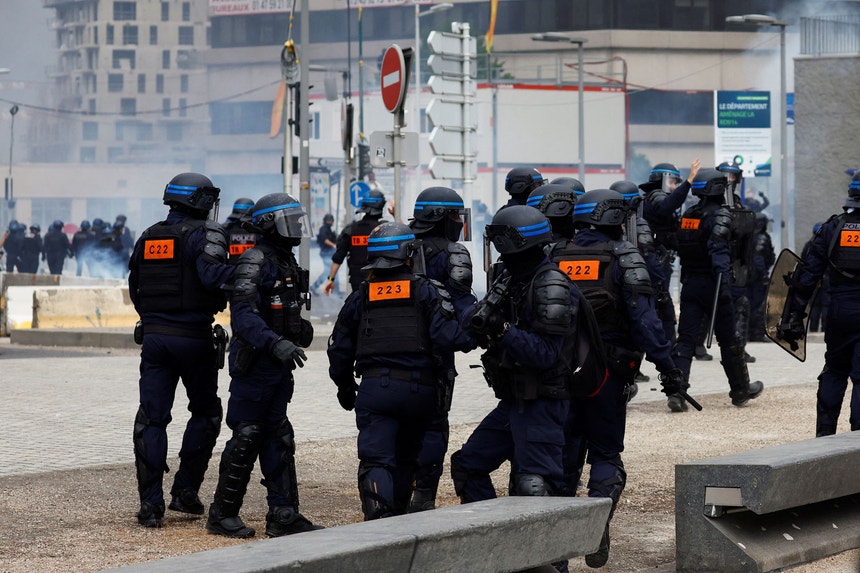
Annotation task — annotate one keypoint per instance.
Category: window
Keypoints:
(186, 11)
(115, 83)
(165, 59)
(165, 11)
(141, 83)
(115, 154)
(184, 59)
(96, 35)
(129, 35)
(183, 112)
(165, 107)
(183, 83)
(159, 83)
(90, 131)
(88, 155)
(128, 106)
(186, 35)
(658, 107)
(144, 132)
(125, 10)
(174, 132)
(238, 118)
(153, 35)
(123, 59)
(92, 107)
(109, 34)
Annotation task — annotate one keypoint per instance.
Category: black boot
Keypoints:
(228, 526)
(285, 520)
(423, 499)
(742, 390)
(601, 556)
(186, 501)
(150, 514)
(702, 353)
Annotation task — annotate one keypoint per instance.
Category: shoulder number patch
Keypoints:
(692, 224)
(849, 238)
(359, 240)
(158, 249)
(389, 290)
(581, 270)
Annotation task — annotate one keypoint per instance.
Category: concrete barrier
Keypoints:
(768, 509)
(504, 534)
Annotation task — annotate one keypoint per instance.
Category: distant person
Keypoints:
(126, 240)
(326, 238)
(521, 181)
(32, 249)
(352, 241)
(57, 248)
(14, 244)
(83, 242)
(239, 238)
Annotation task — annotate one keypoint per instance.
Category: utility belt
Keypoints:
(514, 383)
(421, 376)
(217, 335)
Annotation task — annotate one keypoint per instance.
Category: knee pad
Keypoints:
(458, 475)
(373, 505)
(285, 436)
(531, 485)
(610, 486)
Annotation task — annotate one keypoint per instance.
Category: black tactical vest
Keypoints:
(281, 304)
(168, 280)
(391, 320)
(693, 240)
(239, 240)
(590, 268)
(359, 233)
(844, 253)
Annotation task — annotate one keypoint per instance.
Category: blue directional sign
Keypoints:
(357, 191)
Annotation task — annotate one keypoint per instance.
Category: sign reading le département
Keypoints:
(742, 131)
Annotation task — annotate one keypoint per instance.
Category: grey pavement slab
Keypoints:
(64, 409)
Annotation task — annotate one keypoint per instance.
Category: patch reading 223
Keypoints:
(389, 290)
(158, 249)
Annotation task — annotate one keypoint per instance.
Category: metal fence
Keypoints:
(830, 35)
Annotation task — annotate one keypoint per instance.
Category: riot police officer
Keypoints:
(704, 247)
(832, 252)
(743, 228)
(32, 248)
(352, 241)
(612, 275)
(763, 257)
(177, 270)
(13, 244)
(269, 290)
(571, 183)
(440, 219)
(665, 193)
(392, 331)
(83, 242)
(57, 247)
(519, 182)
(239, 238)
(527, 322)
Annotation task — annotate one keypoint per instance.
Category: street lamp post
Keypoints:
(555, 37)
(416, 106)
(767, 21)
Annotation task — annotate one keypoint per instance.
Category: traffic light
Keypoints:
(297, 115)
(364, 166)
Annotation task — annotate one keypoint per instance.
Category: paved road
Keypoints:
(70, 408)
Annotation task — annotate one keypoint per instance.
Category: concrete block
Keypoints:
(505, 534)
(19, 314)
(83, 307)
(768, 509)
(87, 337)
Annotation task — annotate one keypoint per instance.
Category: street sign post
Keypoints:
(452, 110)
(382, 148)
(357, 191)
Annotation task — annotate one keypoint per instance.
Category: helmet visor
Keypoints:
(671, 180)
(461, 217)
(292, 224)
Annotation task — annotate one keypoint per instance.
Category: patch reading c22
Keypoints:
(158, 249)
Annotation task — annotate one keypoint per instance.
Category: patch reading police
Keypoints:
(158, 249)
(581, 270)
(691, 224)
(389, 290)
(359, 240)
(850, 235)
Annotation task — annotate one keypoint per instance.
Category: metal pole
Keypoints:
(288, 140)
(581, 94)
(360, 79)
(783, 140)
(416, 115)
(304, 127)
(467, 107)
(396, 143)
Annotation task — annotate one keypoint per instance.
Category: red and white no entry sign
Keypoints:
(393, 78)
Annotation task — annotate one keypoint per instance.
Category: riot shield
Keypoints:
(777, 293)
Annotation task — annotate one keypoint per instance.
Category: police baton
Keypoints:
(714, 311)
(691, 400)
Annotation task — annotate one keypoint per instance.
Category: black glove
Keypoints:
(289, 353)
(673, 382)
(792, 329)
(346, 395)
(492, 322)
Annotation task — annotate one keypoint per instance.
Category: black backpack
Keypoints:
(590, 365)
